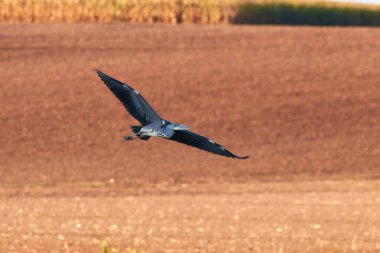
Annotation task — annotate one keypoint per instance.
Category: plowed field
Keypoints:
(303, 102)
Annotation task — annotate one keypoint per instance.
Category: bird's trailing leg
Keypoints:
(130, 137)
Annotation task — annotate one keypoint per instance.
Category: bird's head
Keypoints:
(180, 127)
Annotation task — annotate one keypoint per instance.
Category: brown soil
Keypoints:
(317, 217)
(303, 102)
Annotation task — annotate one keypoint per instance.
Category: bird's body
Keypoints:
(152, 125)
(165, 130)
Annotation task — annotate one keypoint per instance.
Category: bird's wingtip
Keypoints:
(101, 74)
(98, 71)
(242, 157)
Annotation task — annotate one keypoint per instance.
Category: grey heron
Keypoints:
(152, 125)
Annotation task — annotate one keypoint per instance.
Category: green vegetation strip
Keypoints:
(287, 12)
(307, 14)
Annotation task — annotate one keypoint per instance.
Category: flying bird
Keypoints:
(152, 125)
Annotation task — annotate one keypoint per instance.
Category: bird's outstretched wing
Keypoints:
(135, 104)
(198, 141)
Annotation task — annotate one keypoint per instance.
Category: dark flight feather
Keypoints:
(135, 104)
(198, 141)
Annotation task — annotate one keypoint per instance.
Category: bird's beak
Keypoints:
(181, 127)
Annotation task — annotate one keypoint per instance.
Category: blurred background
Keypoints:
(302, 101)
(293, 84)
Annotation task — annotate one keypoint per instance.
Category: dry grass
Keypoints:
(142, 11)
(150, 11)
(107, 247)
